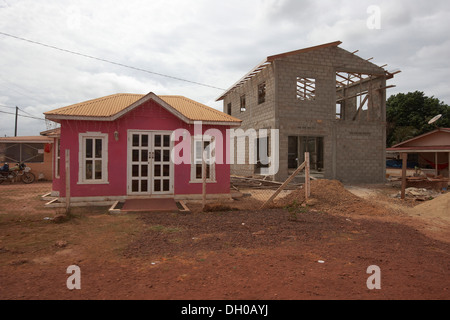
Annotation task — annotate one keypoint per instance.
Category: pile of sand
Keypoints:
(436, 208)
(332, 197)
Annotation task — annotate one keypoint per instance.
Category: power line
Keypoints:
(108, 61)
(21, 115)
(3, 106)
(29, 114)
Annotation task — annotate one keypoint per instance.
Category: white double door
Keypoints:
(150, 169)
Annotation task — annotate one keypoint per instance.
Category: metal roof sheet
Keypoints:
(26, 139)
(197, 111)
(112, 105)
(100, 107)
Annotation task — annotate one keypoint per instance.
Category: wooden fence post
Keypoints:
(404, 165)
(302, 166)
(307, 178)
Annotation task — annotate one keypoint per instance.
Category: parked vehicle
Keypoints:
(18, 171)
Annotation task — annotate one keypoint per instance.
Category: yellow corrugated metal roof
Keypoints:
(112, 105)
(100, 107)
(194, 110)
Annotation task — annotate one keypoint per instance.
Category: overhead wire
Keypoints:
(108, 61)
(21, 115)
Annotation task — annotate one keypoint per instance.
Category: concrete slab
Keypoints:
(150, 205)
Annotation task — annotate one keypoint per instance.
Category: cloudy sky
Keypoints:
(209, 44)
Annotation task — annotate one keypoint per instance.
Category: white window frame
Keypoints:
(196, 160)
(57, 158)
(82, 137)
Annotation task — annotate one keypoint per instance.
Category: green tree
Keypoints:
(408, 114)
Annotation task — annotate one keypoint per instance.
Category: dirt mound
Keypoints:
(332, 197)
(436, 208)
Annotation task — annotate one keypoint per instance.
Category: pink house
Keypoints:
(431, 151)
(126, 146)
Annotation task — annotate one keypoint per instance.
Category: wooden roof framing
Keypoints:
(351, 78)
(268, 61)
(346, 78)
(304, 88)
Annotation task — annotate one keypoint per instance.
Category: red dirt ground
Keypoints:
(270, 254)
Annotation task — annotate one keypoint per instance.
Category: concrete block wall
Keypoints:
(354, 151)
(257, 116)
(360, 153)
(375, 105)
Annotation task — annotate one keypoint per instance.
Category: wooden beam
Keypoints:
(361, 106)
(346, 78)
(404, 165)
(386, 87)
(300, 168)
(256, 180)
(307, 181)
(356, 95)
(436, 171)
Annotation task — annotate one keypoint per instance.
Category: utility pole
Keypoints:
(15, 128)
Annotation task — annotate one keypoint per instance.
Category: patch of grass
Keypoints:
(295, 208)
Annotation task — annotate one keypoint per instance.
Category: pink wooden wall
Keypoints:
(149, 116)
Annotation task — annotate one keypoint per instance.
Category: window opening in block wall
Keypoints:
(262, 153)
(243, 103)
(306, 88)
(229, 109)
(339, 110)
(361, 100)
(261, 93)
(298, 145)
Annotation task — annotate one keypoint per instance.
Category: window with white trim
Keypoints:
(93, 158)
(200, 144)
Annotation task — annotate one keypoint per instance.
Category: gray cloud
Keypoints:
(209, 42)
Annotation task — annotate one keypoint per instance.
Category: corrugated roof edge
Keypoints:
(398, 145)
(233, 119)
(55, 115)
(87, 102)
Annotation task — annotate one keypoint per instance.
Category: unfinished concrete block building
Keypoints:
(323, 100)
